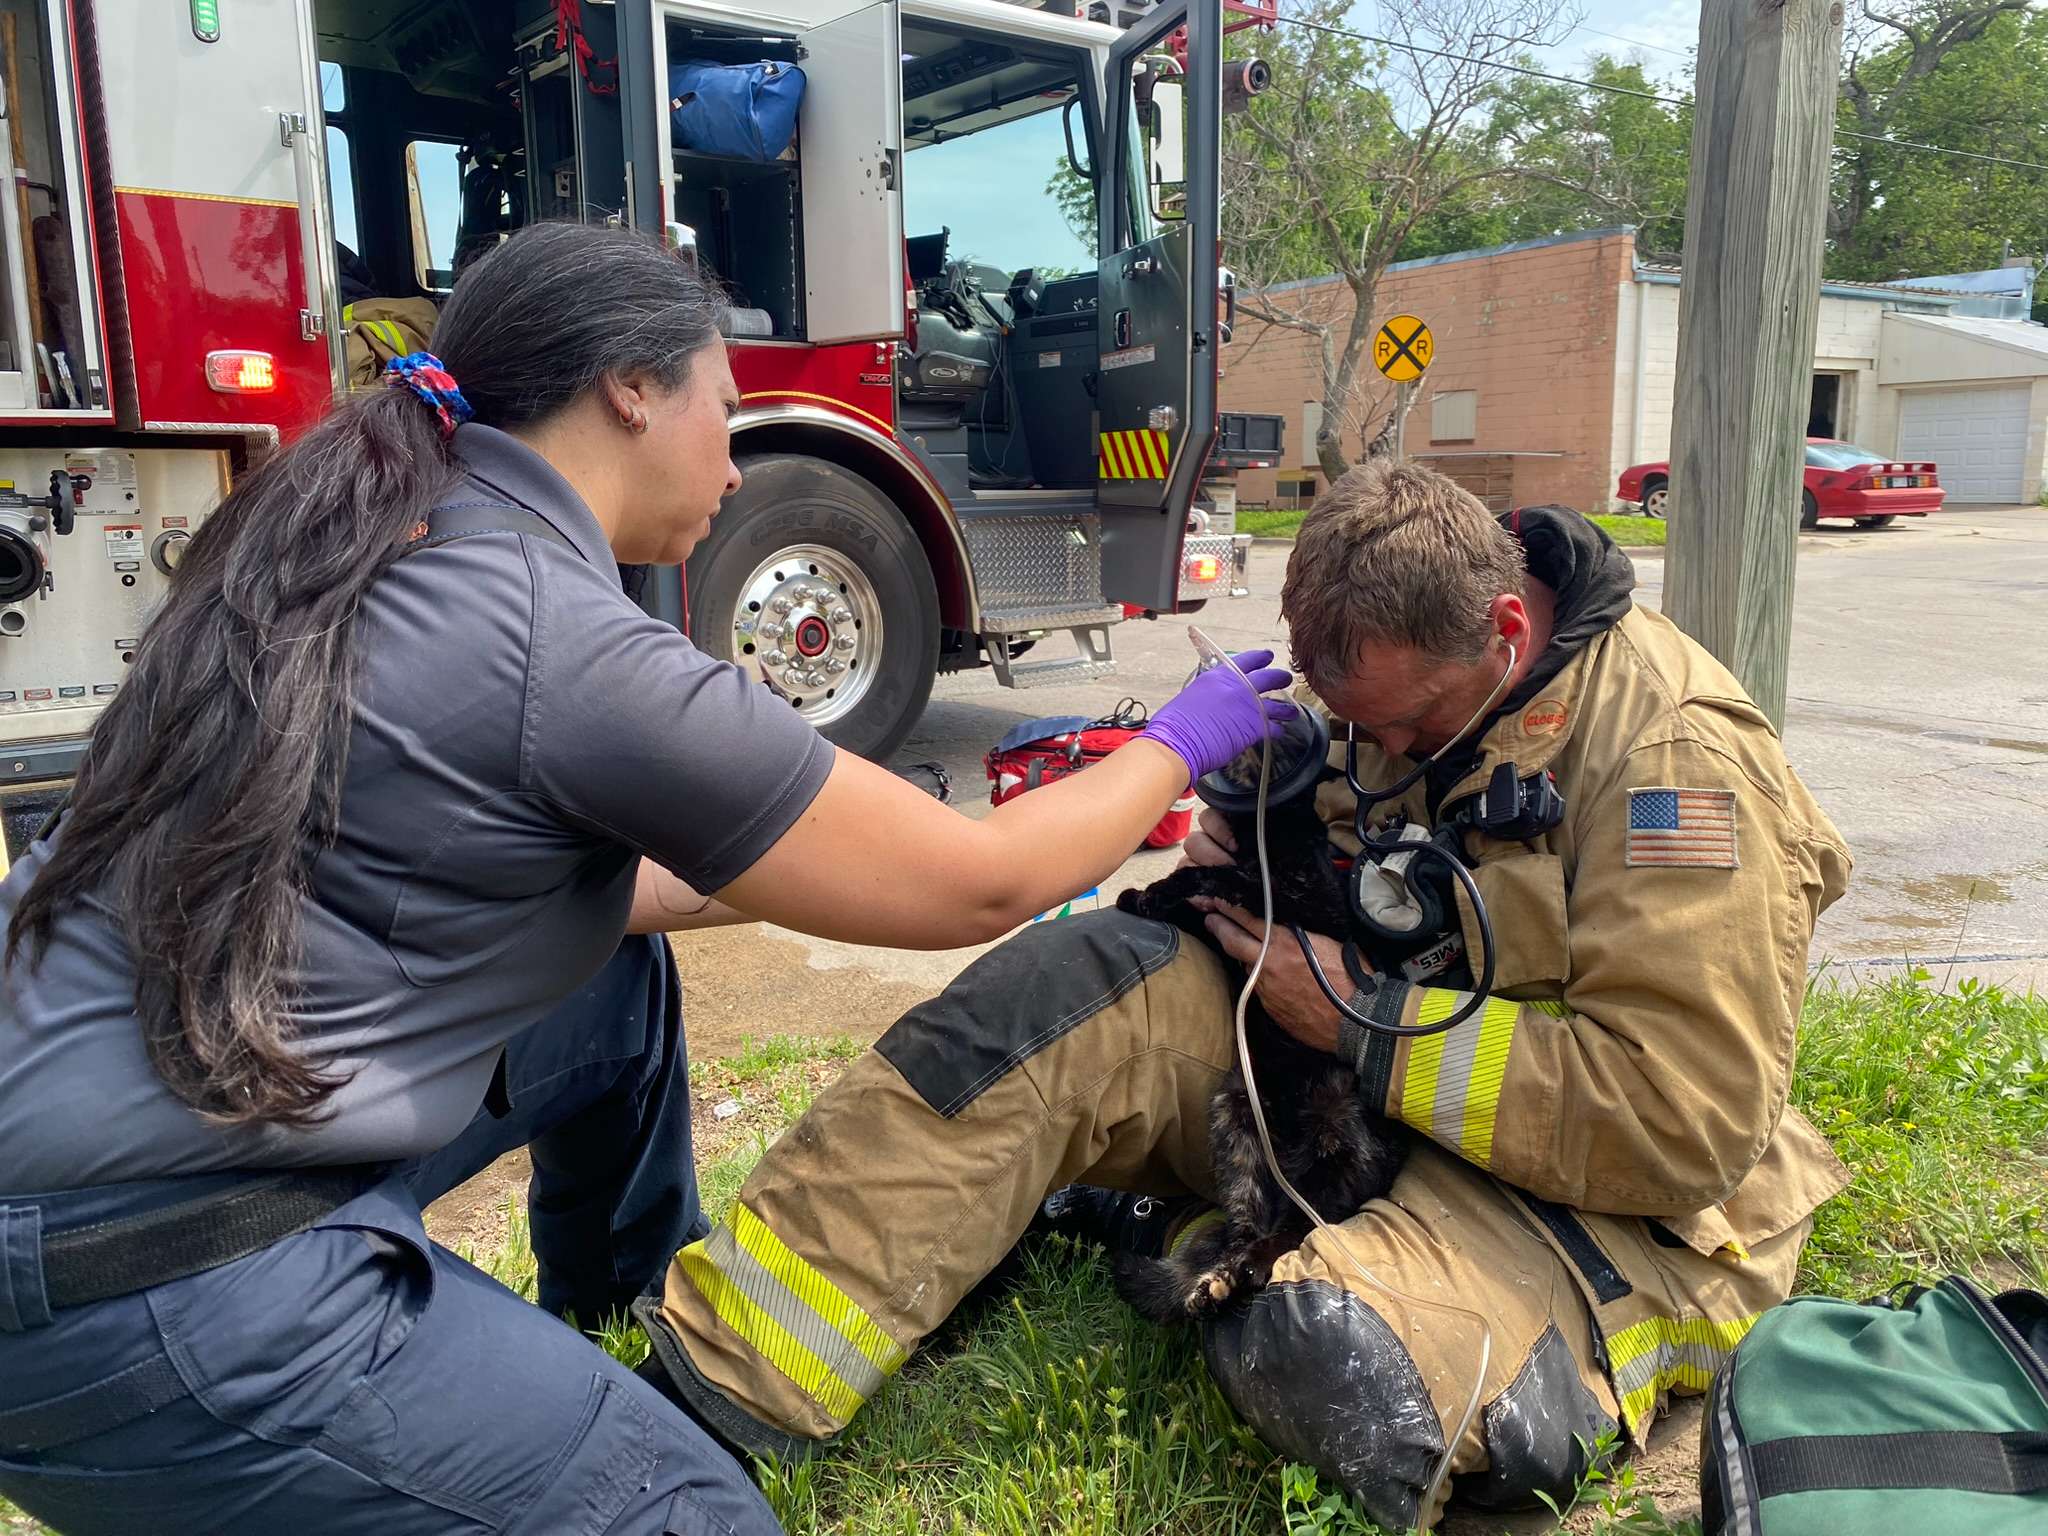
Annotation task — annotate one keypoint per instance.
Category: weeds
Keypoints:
(1938, 1103)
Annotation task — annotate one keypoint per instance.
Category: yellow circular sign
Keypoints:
(1403, 348)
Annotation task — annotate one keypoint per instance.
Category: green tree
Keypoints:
(1606, 153)
(1075, 195)
(1900, 212)
(1890, 58)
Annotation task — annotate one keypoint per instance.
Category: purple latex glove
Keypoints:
(1214, 718)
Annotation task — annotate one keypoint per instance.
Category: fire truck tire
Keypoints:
(811, 580)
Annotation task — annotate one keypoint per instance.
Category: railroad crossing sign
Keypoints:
(1403, 348)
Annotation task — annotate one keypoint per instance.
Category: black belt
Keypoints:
(132, 1253)
(112, 1258)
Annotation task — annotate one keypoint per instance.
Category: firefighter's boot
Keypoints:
(1113, 1220)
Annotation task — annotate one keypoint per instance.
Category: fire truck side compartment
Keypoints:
(47, 293)
(748, 216)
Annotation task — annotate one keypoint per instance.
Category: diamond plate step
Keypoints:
(1093, 660)
(1021, 621)
(1046, 674)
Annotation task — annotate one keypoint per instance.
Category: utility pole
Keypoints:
(1763, 125)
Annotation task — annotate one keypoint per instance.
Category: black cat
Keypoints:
(1332, 1149)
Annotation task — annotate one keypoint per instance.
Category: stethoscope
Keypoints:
(1364, 868)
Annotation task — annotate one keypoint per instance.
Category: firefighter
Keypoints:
(361, 886)
(1602, 1164)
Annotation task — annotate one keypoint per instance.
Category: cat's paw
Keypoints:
(1219, 1285)
(1211, 1292)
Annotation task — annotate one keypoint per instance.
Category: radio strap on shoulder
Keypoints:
(468, 519)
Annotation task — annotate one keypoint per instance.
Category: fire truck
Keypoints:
(960, 450)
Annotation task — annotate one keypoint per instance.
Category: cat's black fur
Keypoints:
(1330, 1147)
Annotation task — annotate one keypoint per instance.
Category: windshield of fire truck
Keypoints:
(985, 136)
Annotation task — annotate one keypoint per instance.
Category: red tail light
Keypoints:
(237, 372)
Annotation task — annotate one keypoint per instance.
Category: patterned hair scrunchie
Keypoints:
(422, 373)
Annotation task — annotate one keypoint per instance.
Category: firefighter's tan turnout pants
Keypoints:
(1087, 1050)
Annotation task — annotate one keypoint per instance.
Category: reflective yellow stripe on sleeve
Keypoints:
(1451, 1083)
(1651, 1357)
(803, 1324)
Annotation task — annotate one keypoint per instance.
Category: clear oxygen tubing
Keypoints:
(1213, 655)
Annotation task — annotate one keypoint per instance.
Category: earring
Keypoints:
(635, 423)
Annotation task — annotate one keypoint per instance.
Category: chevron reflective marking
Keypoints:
(1137, 455)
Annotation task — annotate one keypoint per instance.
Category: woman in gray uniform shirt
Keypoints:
(342, 908)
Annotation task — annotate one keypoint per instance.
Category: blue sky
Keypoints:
(990, 191)
(1657, 33)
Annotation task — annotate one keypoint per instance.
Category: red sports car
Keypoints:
(1842, 480)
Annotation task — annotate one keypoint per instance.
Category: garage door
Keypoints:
(1976, 437)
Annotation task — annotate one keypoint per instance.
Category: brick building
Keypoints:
(1554, 366)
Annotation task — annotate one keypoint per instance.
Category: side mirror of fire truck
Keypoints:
(1166, 149)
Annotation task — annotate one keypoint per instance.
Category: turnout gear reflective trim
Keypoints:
(1201, 1222)
(386, 331)
(1450, 1083)
(1659, 1353)
(807, 1327)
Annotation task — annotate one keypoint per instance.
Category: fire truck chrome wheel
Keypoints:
(828, 542)
(810, 622)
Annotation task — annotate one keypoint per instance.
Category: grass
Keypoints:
(1938, 1102)
(1047, 1407)
(1628, 531)
(1633, 532)
(1269, 524)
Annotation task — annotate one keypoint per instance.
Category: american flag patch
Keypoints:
(1681, 828)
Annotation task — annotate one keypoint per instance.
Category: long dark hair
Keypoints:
(214, 776)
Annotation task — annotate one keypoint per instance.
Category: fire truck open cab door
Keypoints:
(1157, 296)
(849, 144)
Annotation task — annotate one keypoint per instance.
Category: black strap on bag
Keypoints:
(1971, 1460)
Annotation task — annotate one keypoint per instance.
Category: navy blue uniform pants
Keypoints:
(357, 1378)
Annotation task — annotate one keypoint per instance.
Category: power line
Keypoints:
(1623, 90)
(1633, 42)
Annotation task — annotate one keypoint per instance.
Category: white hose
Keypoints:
(1212, 655)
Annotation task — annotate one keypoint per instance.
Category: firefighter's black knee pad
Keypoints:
(1323, 1380)
(1540, 1433)
(1023, 997)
